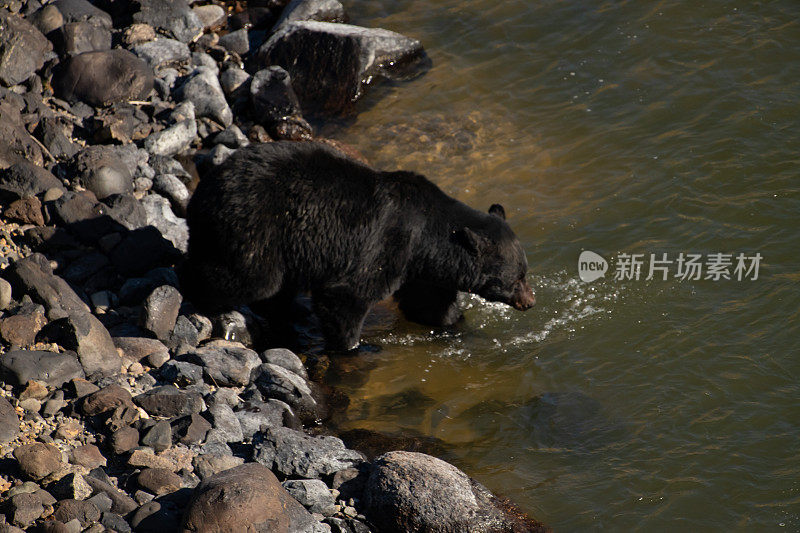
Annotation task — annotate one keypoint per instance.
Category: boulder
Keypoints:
(38, 460)
(86, 335)
(22, 49)
(17, 367)
(103, 78)
(293, 453)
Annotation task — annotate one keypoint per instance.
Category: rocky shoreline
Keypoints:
(122, 408)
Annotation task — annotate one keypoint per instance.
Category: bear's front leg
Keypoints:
(428, 304)
(341, 313)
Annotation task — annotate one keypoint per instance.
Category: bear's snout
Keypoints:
(523, 296)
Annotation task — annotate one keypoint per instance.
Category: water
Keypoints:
(616, 127)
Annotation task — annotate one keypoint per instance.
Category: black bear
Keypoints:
(279, 218)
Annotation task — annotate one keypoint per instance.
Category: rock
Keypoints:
(160, 215)
(218, 155)
(102, 501)
(135, 349)
(105, 400)
(22, 49)
(158, 437)
(20, 366)
(207, 465)
(236, 41)
(122, 122)
(225, 364)
(191, 429)
(54, 404)
(201, 59)
(285, 358)
(24, 509)
(184, 336)
(161, 52)
(138, 34)
(26, 210)
(330, 64)
(244, 498)
(232, 79)
(319, 10)
(153, 517)
(172, 188)
(86, 335)
(100, 170)
(160, 311)
(79, 37)
(88, 456)
(9, 422)
(55, 134)
(232, 137)
(121, 503)
(18, 145)
(85, 512)
(124, 440)
(167, 401)
(181, 373)
(114, 522)
(83, 10)
(258, 416)
(141, 251)
(85, 266)
(33, 275)
(159, 481)
(277, 382)
(103, 78)
(38, 460)
(71, 486)
(21, 328)
(273, 97)
(47, 19)
(313, 494)
(175, 18)
(83, 215)
(226, 426)
(293, 453)
(205, 92)
(211, 16)
(173, 140)
(5, 294)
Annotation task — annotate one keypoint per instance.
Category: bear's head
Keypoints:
(502, 262)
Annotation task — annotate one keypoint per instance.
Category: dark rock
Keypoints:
(162, 52)
(277, 382)
(122, 416)
(143, 250)
(135, 349)
(225, 364)
(114, 522)
(285, 358)
(86, 335)
(18, 145)
(47, 19)
(201, 59)
(273, 98)
(330, 64)
(26, 179)
(257, 416)
(135, 290)
(236, 327)
(122, 123)
(9, 422)
(172, 188)
(159, 481)
(293, 453)
(24, 509)
(158, 437)
(181, 373)
(226, 426)
(122, 503)
(85, 512)
(26, 210)
(233, 79)
(34, 276)
(78, 37)
(174, 17)
(106, 399)
(83, 10)
(244, 498)
(102, 501)
(236, 41)
(218, 155)
(232, 137)
(85, 267)
(20, 366)
(82, 388)
(184, 336)
(103, 78)
(22, 49)
(160, 311)
(313, 494)
(87, 455)
(127, 211)
(153, 517)
(71, 486)
(5, 294)
(160, 215)
(20, 329)
(191, 429)
(203, 89)
(167, 401)
(169, 165)
(303, 10)
(99, 169)
(55, 133)
(38, 460)
(124, 440)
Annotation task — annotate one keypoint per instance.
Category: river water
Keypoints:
(625, 127)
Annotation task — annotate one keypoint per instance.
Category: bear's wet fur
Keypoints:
(279, 218)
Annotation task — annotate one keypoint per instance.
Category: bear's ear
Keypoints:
(498, 211)
(469, 240)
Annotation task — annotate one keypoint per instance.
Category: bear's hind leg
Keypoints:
(428, 304)
(341, 314)
(278, 312)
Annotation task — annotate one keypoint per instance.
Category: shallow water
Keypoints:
(617, 127)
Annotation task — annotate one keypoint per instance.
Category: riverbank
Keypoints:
(122, 407)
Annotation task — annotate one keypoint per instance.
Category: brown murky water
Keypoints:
(617, 127)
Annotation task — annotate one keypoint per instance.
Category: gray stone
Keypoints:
(105, 77)
(277, 382)
(105, 400)
(173, 140)
(160, 311)
(257, 416)
(86, 335)
(18, 145)
(211, 16)
(219, 154)
(162, 52)
(225, 364)
(171, 227)
(114, 522)
(121, 503)
(124, 440)
(191, 429)
(20, 366)
(88, 456)
(226, 426)
(236, 41)
(272, 95)
(47, 19)
(22, 49)
(34, 276)
(101, 170)
(181, 373)
(313, 494)
(135, 349)
(204, 91)
(285, 358)
(172, 188)
(83, 10)
(158, 437)
(72, 486)
(85, 512)
(175, 18)
(9, 422)
(293, 453)
(232, 79)
(202, 59)
(26, 179)
(320, 10)
(232, 137)
(102, 501)
(167, 401)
